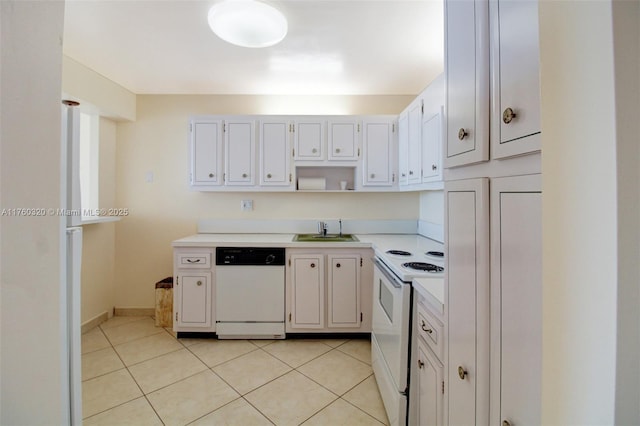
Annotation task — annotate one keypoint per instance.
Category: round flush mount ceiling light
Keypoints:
(247, 23)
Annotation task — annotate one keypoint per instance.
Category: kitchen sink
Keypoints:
(328, 238)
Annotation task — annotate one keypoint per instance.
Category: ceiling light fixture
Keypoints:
(248, 23)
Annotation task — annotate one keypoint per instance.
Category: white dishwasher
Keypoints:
(249, 293)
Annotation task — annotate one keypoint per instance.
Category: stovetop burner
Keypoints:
(435, 253)
(399, 252)
(422, 266)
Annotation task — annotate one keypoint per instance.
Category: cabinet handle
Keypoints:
(244, 175)
(199, 283)
(462, 133)
(337, 265)
(404, 175)
(506, 423)
(434, 167)
(462, 372)
(410, 172)
(508, 115)
(211, 175)
(337, 150)
(313, 265)
(423, 326)
(193, 261)
(373, 175)
(313, 151)
(268, 175)
(420, 363)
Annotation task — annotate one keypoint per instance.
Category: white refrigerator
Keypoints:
(71, 259)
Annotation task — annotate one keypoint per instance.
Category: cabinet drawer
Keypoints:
(194, 260)
(431, 331)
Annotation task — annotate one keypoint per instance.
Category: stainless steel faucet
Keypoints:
(322, 228)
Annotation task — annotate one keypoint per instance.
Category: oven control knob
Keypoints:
(270, 259)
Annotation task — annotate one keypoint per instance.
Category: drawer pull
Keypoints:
(425, 329)
(199, 283)
(211, 175)
(462, 372)
(462, 133)
(337, 265)
(193, 261)
(313, 265)
(420, 363)
(506, 423)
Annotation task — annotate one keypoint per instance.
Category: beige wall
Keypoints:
(590, 211)
(165, 209)
(83, 84)
(34, 365)
(98, 244)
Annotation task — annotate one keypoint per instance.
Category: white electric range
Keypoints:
(397, 263)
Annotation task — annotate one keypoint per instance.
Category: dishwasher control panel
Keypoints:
(250, 256)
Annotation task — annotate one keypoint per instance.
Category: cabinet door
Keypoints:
(378, 153)
(403, 148)
(307, 291)
(240, 152)
(467, 299)
(430, 385)
(431, 146)
(309, 140)
(344, 291)
(516, 300)
(343, 140)
(415, 142)
(206, 152)
(467, 81)
(274, 153)
(516, 96)
(193, 299)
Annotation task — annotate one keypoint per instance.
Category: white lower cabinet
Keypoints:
(193, 291)
(429, 386)
(467, 300)
(325, 291)
(427, 369)
(516, 300)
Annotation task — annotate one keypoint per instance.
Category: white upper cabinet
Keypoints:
(309, 136)
(206, 152)
(342, 140)
(515, 73)
(414, 161)
(467, 82)
(239, 142)
(403, 148)
(275, 152)
(378, 148)
(432, 146)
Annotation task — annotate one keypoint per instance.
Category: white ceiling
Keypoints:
(358, 47)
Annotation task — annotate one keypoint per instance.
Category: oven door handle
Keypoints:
(392, 279)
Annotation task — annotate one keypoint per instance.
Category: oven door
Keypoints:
(391, 312)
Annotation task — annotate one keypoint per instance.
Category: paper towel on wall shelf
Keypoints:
(312, 183)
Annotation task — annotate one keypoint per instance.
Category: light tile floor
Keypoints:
(135, 373)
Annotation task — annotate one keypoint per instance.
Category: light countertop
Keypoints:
(432, 289)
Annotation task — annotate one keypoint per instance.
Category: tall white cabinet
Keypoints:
(493, 214)
(467, 299)
(516, 300)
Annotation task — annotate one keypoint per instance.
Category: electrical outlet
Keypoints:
(246, 205)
